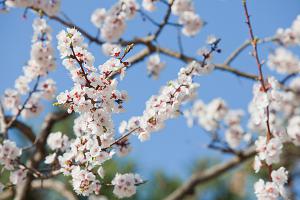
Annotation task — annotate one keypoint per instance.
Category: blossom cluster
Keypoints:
(166, 105)
(272, 190)
(50, 7)
(293, 129)
(268, 151)
(154, 65)
(282, 109)
(95, 98)
(210, 117)
(125, 184)
(291, 35)
(9, 158)
(261, 100)
(40, 64)
(110, 49)
(149, 5)
(284, 61)
(112, 22)
(9, 152)
(57, 142)
(185, 10)
(268, 98)
(262, 103)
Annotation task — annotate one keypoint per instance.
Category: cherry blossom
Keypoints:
(17, 177)
(279, 176)
(48, 6)
(266, 191)
(269, 151)
(98, 17)
(57, 141)
(291, 35)
(9, 153)
(154, 65)
(125, 184)
(293, 129)
(40, 64)
(95, 98)
(274, 189)
(149, 5)
(112, 23)
(191, 21)
(111, 49)
(284, 61)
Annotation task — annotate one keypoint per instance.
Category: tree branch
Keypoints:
(202, 177)
(55, 185)
(22, 127)
(23, 189)
(14, 118)
(146, 41)
(247, 43)
(165, 20)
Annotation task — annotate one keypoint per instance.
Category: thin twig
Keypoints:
(120, 139)
(261, 76)
(247, 43)
(288, 77)
(165, 20)
(81, 66)
(14, 118)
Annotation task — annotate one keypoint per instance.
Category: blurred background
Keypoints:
(171, 155)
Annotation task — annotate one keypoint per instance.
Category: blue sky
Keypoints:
(176, 147)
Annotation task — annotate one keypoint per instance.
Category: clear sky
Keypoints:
(176, 147)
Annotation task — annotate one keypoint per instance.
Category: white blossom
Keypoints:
(57, 141)
(17, 177)
(9, 153)
(154, 65)
(279, 176)
(125, 184)
(284, 61)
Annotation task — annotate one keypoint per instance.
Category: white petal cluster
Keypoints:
(98, 17)
(167, 103)
(40, 64)
(262, 99)
(291, 35)
(149, 5)
(84, 182)
(268, 151)
(154, 65)
(9, 153)
(213, 115)
(50, 7)
(95, 97)
(272, 190)
(57, 141)
(190, 20)
(284, 61)
(18, 176)
(208, 116)
(111, 49)
(184, 9)
(293, 129)
(112, 22)
(125, 184)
